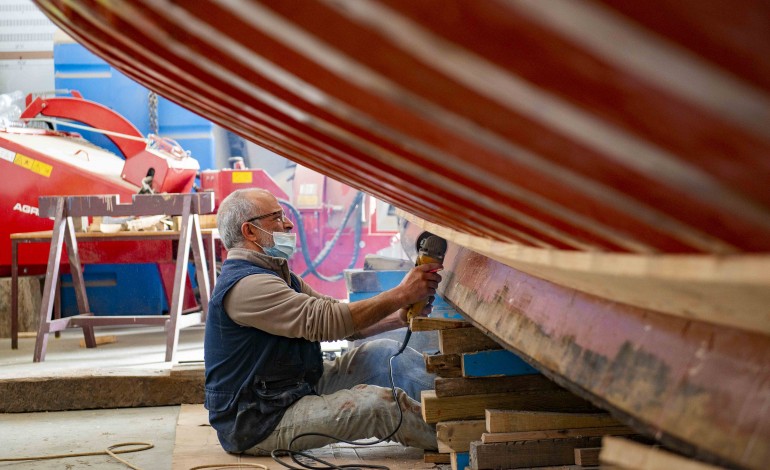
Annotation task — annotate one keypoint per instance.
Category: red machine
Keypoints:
(336, 225)
(36, 162)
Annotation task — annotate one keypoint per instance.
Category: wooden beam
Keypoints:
(528, 453)
(431, 324)
(435, 409)
(489, 438)
(456, 436)
(436, 458)
(450, 387)
(462, 340)
(494, 363)
(500, 421)
(91, 391)
(587, 457)
(444, 365)
(634, 456)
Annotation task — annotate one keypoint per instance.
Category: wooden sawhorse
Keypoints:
(63, 208)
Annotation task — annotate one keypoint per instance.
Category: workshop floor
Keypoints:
(180, 435)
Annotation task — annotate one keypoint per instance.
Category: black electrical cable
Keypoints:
(278, 453)
(312, 265)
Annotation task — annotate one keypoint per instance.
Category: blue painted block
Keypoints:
(494, 363)
(462, 459)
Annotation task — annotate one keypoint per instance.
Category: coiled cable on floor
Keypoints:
(277, 454)
(109, 451)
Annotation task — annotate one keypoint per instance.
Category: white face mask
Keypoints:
(284, 244)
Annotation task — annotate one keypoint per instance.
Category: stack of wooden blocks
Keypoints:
(493, 410)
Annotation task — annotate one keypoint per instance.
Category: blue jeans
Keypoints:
(355, 401)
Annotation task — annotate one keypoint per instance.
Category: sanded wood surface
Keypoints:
(501, 421)
(648, 368)
(528, 453)
(462, 340)
(634, 456)
(436, 458)
(725, 290)
(435, 409)
(454, 386)
(431, 324)
(456, 436)
(488, 438)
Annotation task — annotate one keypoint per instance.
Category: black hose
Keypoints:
(312, 265)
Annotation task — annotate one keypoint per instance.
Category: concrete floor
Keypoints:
(33, 434)
(138, 349)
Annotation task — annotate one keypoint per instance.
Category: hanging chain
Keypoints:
(153, 109)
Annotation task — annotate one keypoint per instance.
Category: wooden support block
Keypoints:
(499, 421)
(101, 340)
(435, 409)
(490, 438)
(460, 340)
(528, 453)
(494, 363)
(450, 387)
(634, 456)
(436, 458)
(444, 365)
(456, 436)
(458, 460)
(587, 457)
(430, 324)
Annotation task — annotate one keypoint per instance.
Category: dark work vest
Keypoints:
(252, 376)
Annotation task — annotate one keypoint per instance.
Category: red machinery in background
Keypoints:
(336, 224)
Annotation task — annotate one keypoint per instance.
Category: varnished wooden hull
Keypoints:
(698, 386)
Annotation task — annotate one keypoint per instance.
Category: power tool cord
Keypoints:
(111, 451)
(294, 454)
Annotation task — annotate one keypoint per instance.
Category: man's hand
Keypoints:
(404, 312)
(420, 282)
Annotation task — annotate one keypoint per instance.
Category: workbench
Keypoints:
(189, 236)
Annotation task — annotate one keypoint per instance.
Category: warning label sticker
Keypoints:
(35, 166)
(6, 154)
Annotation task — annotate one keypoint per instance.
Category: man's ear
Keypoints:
(246, 231)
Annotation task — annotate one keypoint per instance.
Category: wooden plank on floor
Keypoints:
(454, 386)
(490, 438)
(435, 409)
(456, 436)
(460, 340)
(500, 421)
(494, 363)
(587, 457)
(108, 339)
(634, 456)
(92, 390)
(431, 324)
(197, 444)
(528, 453)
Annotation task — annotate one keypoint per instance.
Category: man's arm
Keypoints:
(418, 284)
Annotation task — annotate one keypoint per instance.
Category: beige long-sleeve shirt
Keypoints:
(268, 302)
